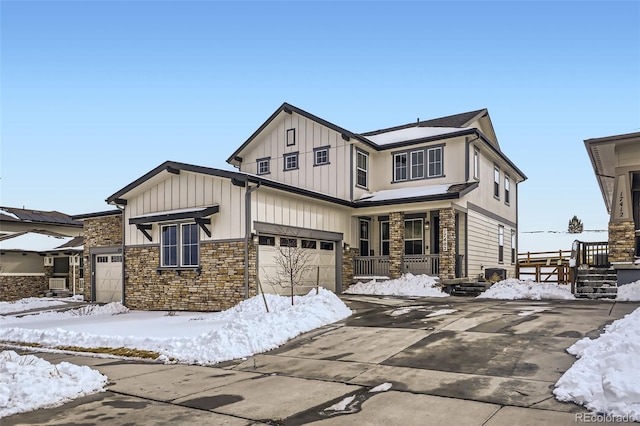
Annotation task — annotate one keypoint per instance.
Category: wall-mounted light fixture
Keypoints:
(426, 225)
(346, 247)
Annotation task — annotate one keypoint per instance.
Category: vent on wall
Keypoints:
(57, 284)
(74, 261)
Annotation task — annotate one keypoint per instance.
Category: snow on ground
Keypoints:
(28, 383)
(629, 292)
(35, 303)
(513, 288)
(406, 285)
(605, 377)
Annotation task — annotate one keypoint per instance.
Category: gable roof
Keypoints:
(242, 179)
(456, 120)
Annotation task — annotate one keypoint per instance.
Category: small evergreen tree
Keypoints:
(575, 225)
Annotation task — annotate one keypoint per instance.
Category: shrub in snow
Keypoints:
(513, 289)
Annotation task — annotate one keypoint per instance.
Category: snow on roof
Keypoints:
(394, 194)
(413, 133)
(33, 242)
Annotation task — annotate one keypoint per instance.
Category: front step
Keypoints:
(595, 283)
(469, 289)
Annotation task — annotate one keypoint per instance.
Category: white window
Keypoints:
(507, 188)
(476, 163)
(417, 164)
(179, 249)
(291, 161)
(400, 167)
(496, 182)
(362, 169)
(500, 243)
(434, 156)
(263, 166)
(321, 156)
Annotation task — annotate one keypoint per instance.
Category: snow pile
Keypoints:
(239, 332)
(629, 292)
(512, 289)
(605, 377)
(406, 285)
(35, 303)
(28, 383)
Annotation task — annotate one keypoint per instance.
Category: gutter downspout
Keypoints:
(247, 233)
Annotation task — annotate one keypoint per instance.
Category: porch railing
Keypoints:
(592, 254)
(378, 266)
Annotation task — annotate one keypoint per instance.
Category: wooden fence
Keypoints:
(545, 266)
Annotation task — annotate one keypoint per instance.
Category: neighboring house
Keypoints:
(40, 253)
(436, 196)
(616, 163)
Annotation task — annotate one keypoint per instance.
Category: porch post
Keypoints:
(447, 244)
(622, 241)
(396, 244)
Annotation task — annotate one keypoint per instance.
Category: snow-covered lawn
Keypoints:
(183, 337)
(406, 285)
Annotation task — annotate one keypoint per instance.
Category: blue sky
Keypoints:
(95, 94)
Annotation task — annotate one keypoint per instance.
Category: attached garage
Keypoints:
(316, 252)
(108, 277)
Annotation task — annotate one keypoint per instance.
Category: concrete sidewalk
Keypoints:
(486, 363)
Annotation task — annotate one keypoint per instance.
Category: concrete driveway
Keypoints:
(449, 361)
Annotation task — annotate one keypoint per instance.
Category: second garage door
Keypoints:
(108, 283)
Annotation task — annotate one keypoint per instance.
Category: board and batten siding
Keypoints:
(279, 208)
(331, 179)
(483, 244)
(189, 190)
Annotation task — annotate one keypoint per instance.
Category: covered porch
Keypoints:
(428, 242)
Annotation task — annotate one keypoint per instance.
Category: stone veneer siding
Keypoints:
(622, 241)
(396, 244)
(348, 256)
(102, 231)
(16, 287)
(219, 286)
(448, 256)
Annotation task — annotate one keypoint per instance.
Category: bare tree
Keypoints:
(292, 262)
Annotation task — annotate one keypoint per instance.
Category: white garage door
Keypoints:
(316, 256)
(108, 278)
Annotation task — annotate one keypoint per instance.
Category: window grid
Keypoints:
(180, 249)
(291, 161)
(190, 245)
(496, 182)
(413, 236)
(362, 169)
(321, 156)
(263, 166)
(170, 245)
(500, 243)
(400, 167)
(434, 156)
(417, 164)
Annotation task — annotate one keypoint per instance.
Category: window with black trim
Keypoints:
(362, 169)
(288, 242)
(400, 167)
(476, 163)
(321, 156)
(326, 245)
(265, 240)
(513, 246)
(385, 240)
(500, 243)
(496, 182)
(413, 236)
(507, 189)
(291, 137)
(263, 166)
(364, 237)
(434, 165)
(309, 244)
(179, 245)
(291, 161)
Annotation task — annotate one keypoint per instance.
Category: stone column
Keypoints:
(396, 244)
(622, 241)
(347, 266)
(447, 243)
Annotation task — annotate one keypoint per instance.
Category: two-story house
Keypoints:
(437, 197)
